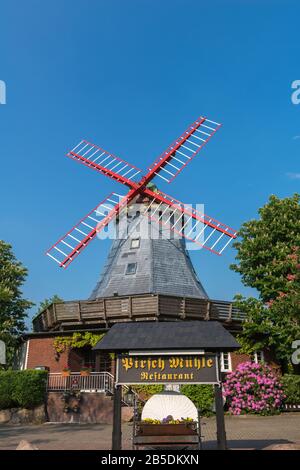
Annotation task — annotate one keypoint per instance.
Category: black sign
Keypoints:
(161, 369)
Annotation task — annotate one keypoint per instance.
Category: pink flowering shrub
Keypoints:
(253, 388)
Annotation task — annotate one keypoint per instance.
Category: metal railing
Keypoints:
(94, 382)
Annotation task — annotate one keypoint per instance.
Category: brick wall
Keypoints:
(41, 353)
(237, 359)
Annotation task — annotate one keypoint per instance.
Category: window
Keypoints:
(89, 358)
(135, 243)
(258, 356)
(131, 268)
(225, 362)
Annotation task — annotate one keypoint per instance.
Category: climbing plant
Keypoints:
(77, 340)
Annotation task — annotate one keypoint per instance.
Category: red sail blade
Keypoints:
(67, 248)
(106, 163)
(189, 223)
(181, 152)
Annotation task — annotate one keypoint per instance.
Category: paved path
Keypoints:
(246, 432)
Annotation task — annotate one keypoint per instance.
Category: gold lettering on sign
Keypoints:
(176, 362)
(150, 368)
(158, 377)
(127, 363)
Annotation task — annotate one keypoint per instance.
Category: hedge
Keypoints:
(146, 391)
(201, 395)
(291, 388)
(22, 388)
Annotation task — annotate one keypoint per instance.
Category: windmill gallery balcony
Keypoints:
(104, 312)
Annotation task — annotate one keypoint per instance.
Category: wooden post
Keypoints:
(207, 316)
(130, 307)
(230, 313)
(183, 308)
(221, 432)
(117, 432)
(117, 413)
(79, 312)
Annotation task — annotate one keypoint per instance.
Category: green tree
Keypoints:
(13, 307)
(46, 302)
(268, 259)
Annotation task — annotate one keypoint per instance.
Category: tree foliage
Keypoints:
(47, 302)
(265, 245)
(13, 306)
(268, 255)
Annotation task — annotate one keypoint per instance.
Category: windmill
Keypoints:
(213, 235)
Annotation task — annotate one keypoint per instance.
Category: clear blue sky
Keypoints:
(130, 76)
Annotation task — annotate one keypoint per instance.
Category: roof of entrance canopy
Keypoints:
(189, 335)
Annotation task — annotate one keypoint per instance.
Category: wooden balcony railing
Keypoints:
(104, 312)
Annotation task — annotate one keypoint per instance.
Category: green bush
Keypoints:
(24, 389)
(201, 395)
(6, 388)
(291, 388)
(146, 391)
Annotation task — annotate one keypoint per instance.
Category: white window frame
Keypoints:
(256, 359)
(135, 240)
(229, 368)
(127, 273)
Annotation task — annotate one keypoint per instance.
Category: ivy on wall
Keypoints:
(77, 340)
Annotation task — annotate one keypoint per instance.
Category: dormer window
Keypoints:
(135, 243)
(131, 268)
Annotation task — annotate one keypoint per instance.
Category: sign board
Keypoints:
(167, 369)
(2, 353)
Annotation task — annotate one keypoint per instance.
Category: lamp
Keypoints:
(130, 397)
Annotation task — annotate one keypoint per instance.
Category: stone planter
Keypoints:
(85, 373)
(181, 429)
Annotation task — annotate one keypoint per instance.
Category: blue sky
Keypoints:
(130, 76)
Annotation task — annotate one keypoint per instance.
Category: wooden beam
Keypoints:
(208, 306)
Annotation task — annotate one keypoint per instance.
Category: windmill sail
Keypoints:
(181, 152)
(73, 242)
(106, 163)
(189, 223)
